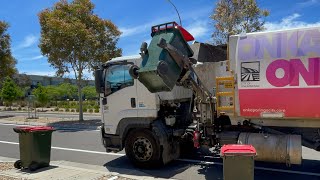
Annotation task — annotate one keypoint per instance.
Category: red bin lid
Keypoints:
(34, 129)
(238, 149)
(42, 128)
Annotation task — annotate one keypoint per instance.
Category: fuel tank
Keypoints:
(274, 148)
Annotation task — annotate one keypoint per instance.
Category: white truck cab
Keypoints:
(127, 105)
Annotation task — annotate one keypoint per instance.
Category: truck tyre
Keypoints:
(142, 149)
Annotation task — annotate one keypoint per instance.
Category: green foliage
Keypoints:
(90, 110)
(7, 62)
(96, 110)
(89, 92)
(41, 94)
(73, 104)
(67, 110)
(75, 39)
(236, 16)
(67, 91)
(10, 91)
(53, 92)
(96, 106)
(56, 109)
(85, 109)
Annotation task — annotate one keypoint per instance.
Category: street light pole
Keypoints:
(176, 11)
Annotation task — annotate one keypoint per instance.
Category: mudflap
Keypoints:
(170, 148)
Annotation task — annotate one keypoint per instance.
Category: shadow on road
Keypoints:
(122, 165)
(263, 171)
(6, 116)
(74, 126)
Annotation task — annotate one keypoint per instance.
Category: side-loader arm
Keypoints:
(185, 74)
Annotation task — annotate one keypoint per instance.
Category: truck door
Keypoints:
(121, 97)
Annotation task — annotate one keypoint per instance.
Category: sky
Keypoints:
(134, 18)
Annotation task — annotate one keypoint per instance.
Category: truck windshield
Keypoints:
(117, 77)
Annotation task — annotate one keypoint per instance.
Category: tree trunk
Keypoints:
(80, 103)
(80, 94)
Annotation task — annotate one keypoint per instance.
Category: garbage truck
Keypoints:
(179, 95)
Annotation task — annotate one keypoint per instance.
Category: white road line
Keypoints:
(88, 151)
(70, 149)
(288, 171)
(7, 142)
(201, 162)
(259, 168)
(12, 124)
(183, 160)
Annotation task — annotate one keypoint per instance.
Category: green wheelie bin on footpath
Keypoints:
(35, 147)
(238, 161)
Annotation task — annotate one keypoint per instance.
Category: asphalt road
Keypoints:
(49, 114)
(85, 147)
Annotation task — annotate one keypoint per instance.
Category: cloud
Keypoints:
(195, 14)
(37, 57)
(290, 22)
(130, 31)
(307, 3)
(28, 41)
(28, 59)
(198, 29)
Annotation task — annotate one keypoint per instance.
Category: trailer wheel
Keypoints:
(142, 149)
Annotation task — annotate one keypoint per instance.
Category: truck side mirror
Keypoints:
(99, 80)
(134, 71)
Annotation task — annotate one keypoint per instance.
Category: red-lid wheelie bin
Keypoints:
(238, 161)
(35, 147)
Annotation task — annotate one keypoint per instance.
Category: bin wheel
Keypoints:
(33, 166)
(18, 164)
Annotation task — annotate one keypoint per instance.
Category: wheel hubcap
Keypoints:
(142, 149)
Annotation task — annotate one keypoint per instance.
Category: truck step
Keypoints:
(225, 93)
(225, 78)
(224, 108)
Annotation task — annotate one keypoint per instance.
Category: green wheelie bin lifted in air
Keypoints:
(158, 70)
(35, 147)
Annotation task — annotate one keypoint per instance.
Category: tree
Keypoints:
(41, 95)
(67, 90)
(53, 92)
(22, 80)
(74, 39)
(89, 92)
(235, 17)
(10, 91)
(7, 62)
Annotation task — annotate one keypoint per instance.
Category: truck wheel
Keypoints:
(142, 149)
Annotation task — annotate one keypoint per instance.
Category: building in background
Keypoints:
(33, 80)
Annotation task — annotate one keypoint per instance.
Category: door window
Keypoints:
(117, 77)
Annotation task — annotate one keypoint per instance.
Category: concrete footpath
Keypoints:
(70, 171)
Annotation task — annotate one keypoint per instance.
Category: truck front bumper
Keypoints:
(112, 142)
